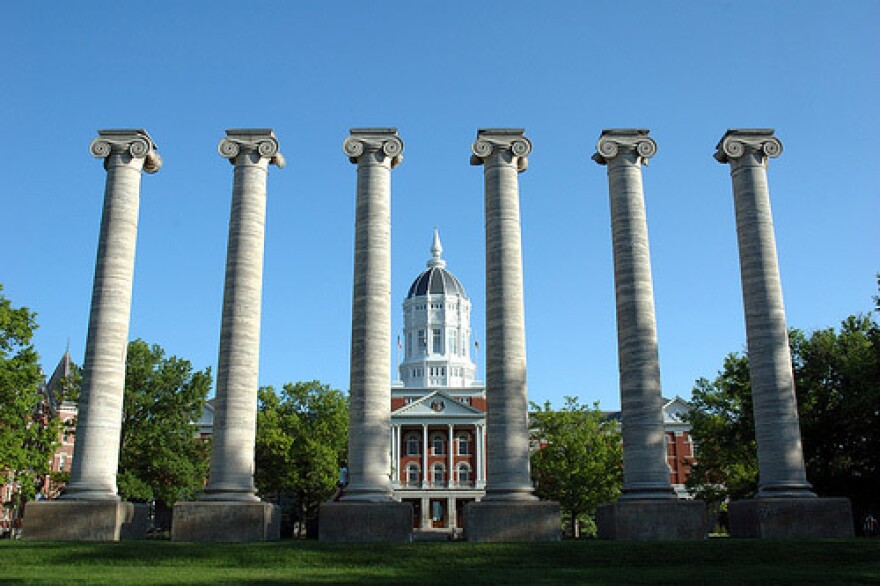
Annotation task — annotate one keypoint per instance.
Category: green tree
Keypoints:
(28, 432)
(160, 457)
(302, 438)
(837, 382)
(837, 376)
(723, 429)
(579, 458)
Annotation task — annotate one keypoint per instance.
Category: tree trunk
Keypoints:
(575, 526)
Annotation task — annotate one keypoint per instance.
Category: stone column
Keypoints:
(780, 455)
(250, 151)
(230, 509)
(645, 474)
(126, 154)
(783, 483)
(503, 153)
(375, 151)
(509, 511)
(648, 508)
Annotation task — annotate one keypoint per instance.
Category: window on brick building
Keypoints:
(464, 444)
(438, 472)
(412, 444)
(464, 473)
(412, 474)
(437, 444)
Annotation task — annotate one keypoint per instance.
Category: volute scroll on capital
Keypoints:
(257, 141)
(374, 140)
(134, 143)
(737, 143)
(613, 141)
(501, 141)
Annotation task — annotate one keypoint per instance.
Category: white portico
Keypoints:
(438, 420)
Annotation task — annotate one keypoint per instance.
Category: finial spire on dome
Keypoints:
(436, 252)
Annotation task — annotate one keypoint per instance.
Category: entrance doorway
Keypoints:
(438, 513)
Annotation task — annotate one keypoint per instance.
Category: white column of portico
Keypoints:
(375, 151)
(645, 471)
(395, 455)
(449, 480)
(503, 154)
(479, 457)
(250, 151)
(425, 449)
(125, 153)
(780, 454)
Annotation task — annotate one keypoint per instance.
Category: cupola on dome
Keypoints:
(436, 280)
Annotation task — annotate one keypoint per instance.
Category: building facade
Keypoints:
(438, 407)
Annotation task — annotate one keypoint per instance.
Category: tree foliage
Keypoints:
(837, 381)
(723, 429)
(160, 458)
(28, 432)
(302, 438)
(579, 458)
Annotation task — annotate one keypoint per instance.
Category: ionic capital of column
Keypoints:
(502, 146)
(748, 144)
(380, 144)
(631, 145)
(251, 146)
(126, 147)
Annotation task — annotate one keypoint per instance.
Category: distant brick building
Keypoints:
(438, 420)
(50, 406)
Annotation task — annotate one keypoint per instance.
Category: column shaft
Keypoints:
(644, 459)
(235, 408)
(375, 151)
(777, 430)
(503, 156)
(96, 453)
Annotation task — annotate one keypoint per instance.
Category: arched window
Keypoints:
(412, 474)
(412, 444)
(438, 473)
(437, 443)
(464, 443)
(463, 471)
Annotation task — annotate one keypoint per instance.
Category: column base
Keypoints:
(791, 518)
(362, 522)
(652, 520)
(512, 521)
(225, 521)
(71, 520)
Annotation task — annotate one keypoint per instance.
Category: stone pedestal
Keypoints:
(139, 526)
(353, 522)
(652, 520)
(509, 521)
(230, 521)
(70, 520)
(792, 518)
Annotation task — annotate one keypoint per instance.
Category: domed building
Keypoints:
(438, 418)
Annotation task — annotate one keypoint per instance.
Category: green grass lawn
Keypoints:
(717, 561)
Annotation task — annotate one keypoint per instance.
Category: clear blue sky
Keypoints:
(186, 71)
